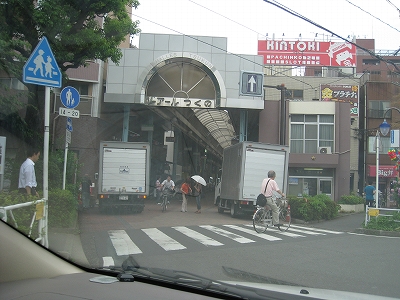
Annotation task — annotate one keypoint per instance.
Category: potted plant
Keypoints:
(351, 203)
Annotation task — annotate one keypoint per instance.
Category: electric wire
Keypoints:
(373, 15)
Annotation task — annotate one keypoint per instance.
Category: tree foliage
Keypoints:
(78, 31)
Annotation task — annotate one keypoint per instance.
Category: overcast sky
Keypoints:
(244, 22)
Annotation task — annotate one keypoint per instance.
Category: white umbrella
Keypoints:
(199, 179)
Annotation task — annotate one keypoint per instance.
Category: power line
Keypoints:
(373, 15)
(296, 14)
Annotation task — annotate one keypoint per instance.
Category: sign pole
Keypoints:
(46, 159)
(65, 164)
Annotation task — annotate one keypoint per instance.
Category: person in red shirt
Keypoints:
(185, 189)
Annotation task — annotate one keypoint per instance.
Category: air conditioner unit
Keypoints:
(324, 150)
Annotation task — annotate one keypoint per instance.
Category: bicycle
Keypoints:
(262, 218)
(166, 195)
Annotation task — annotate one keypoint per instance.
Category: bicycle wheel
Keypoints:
(259, 221)
(284, 219)
(164, 203)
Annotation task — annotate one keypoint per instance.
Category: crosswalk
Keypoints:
(174, 238)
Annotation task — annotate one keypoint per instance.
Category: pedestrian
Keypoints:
(268, 186)
(185, 189)
(85, 191)
(197, 193)
(369, 192)
(158, 189)
(27, 183)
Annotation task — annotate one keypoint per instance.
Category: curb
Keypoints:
(377, 232)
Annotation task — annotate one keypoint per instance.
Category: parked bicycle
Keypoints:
(262, 218)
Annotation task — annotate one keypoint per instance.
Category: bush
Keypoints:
(21, 218)
(319, 207)
(385, 223)
(351, 199)
(62, 210)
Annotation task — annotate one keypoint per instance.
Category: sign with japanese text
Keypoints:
(307, 53)
(341, 93)
(180, 102)
(384, 171)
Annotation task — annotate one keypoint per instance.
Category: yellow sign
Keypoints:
(39, 210)
(373, 212)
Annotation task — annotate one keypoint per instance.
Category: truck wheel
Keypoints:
(234, 210)
(221, 210)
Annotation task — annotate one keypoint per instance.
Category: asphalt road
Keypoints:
(322, 255)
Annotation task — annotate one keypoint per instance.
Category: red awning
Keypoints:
(384, 171)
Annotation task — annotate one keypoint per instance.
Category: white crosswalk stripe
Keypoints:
(201, 238)
(285, 233)
(228, 234)
(108, 261)
(163, 240)
(122, 243)
(252, 232)
(316, 229)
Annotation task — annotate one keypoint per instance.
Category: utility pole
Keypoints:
(282, 127)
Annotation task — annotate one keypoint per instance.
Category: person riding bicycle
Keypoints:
(268, 186)
(168, 185)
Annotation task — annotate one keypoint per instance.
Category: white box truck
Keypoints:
(244, 166)
(123, 181)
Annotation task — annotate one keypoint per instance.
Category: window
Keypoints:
(308, 132)
(377, 108)
(294, 94)
(383, 147)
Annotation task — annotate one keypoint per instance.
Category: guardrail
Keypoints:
(375, 212)
(40, 212)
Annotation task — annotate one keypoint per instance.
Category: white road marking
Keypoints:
(285, 233)
(316, 229)
(252, 232)
(225, 233)
(305, 231)
(122, 243)
(201, 238)
(108, 261)
(163, 240)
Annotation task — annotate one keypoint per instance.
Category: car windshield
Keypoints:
(230, 141)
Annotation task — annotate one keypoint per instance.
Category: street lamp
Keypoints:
(384, 128)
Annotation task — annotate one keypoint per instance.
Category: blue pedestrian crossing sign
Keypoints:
(41, 68)
(70, 97)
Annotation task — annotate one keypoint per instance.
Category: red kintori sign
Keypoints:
(307, 53)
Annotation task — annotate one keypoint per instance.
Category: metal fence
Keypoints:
(382, 212)
(39, 214)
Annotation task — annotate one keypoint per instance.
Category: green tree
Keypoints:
(78, 31)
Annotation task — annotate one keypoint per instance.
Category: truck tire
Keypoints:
(221, 210)
(234, 210)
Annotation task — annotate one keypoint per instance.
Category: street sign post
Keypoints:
(251, 83)
(41, 68)
(70, 97)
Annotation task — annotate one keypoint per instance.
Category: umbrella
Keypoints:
(199, 179)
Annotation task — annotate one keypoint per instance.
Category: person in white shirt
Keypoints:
(168, 184)
(27, 183)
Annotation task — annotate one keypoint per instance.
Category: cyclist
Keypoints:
(268, 186)
(168, 185)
